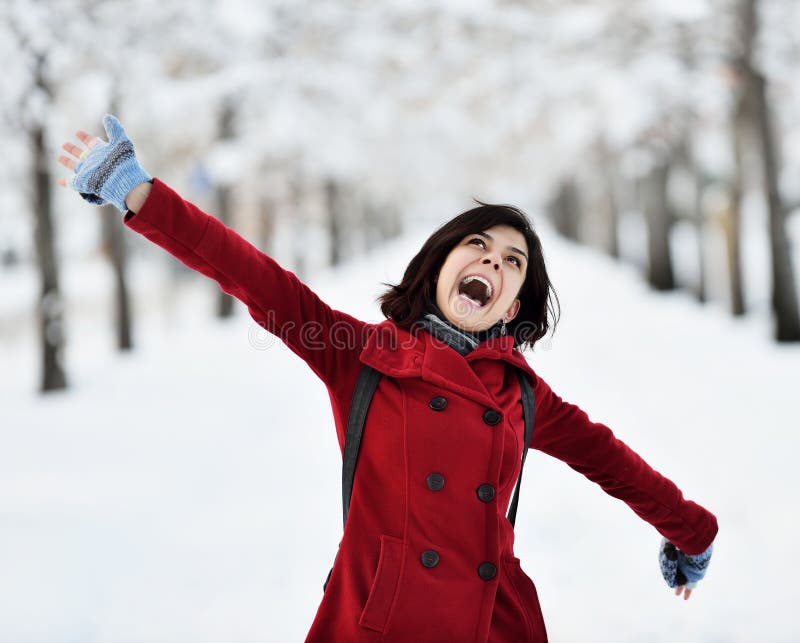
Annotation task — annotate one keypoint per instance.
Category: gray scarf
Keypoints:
(461, 341)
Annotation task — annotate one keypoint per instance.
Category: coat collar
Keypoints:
(397, 353)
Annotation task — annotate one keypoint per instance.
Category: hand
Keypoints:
(682, 571)
(106, 171)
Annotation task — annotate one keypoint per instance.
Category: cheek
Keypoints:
(443, 283)
(515, 282)
(448, 273)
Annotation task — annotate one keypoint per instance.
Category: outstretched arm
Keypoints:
(565, 431)
(328, 340)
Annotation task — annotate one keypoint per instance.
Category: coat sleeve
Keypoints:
(328, 340)
(565, 431)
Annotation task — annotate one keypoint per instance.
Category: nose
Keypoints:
(489, 260)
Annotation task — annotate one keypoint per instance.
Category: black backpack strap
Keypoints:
(366, 384)
(528, 413)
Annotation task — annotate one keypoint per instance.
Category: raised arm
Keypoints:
(328, 340)
(565, 431)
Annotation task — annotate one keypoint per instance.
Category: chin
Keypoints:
(471, 325)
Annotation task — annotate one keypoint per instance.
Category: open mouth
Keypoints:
(476, 290)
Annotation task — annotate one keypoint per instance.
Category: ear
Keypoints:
(513, 311)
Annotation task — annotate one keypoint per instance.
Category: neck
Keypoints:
(460, 340)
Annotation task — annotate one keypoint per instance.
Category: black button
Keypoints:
(486, 492)
(435, 481)
(487, 571)
(491, 417)
(429, 558)
(438, 403)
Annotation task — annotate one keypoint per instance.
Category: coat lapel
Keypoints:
(395, 352)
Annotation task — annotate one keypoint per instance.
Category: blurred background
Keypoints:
(148, 427)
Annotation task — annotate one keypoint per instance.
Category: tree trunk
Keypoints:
(564, 209)
(372, 225)
(698, 217)
(336, 224)
(114, 242)
(733, 217)
(658, 220)
(695, 214)
(297, 203)
(612, 239)
(223, 196)
(266, 224)
(608, 201)
(51, 306)
(754, 95)
(688, 55)
(784, 294)
(390, 222)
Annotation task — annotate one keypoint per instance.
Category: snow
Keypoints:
(190, 490)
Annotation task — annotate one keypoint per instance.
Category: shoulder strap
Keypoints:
(366, 384)
(528, 413)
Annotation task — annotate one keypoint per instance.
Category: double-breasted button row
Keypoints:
(435, 482)
(430, 558)
(490, 417)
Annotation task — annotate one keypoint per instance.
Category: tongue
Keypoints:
(475, 290)
(471, 300)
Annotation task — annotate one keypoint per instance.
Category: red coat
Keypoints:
(423, 558)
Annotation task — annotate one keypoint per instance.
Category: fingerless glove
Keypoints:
(678, 568)
(110, 170)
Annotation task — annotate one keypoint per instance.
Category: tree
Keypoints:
(34, 104)
(753, 111)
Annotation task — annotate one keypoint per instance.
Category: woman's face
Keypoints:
(481, 278)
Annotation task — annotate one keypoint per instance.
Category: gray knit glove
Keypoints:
(110, 170)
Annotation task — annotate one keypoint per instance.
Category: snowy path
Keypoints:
(190, 491)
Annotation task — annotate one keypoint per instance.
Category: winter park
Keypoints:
(288, 290)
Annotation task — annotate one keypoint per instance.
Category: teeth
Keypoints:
(485, 282)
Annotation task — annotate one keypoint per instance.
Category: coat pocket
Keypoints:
(384, 586)
(529, 599)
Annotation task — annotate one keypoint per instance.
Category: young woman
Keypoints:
(427, 551)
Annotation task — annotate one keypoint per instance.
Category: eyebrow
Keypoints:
(512, 248)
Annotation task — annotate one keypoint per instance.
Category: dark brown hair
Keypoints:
(406, 302)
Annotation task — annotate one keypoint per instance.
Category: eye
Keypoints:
(478, 242)
(515, 260)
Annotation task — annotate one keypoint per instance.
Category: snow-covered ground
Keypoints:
(190, 491)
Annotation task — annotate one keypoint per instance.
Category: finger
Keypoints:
(67, 162)
(86, 138)
(687, 594)
(114, 128)
(62, 182)
(72, 149)
(678, 590)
